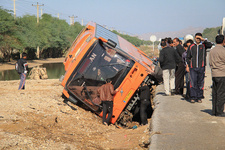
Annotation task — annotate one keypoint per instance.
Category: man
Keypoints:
(217, 64)
(169, 42)
(180, 69)
(106, 92)
(187, 73)
(189, 42)
(168, 58)
(23, 69)
(184, 55)
(196, 60)
(144, 92)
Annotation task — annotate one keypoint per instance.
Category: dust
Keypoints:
(37, 118)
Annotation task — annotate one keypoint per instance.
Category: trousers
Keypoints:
(143, 111)
(169, 80)
(197, 76)
(218, 95)
(22, 81)
(107, 109)
(187, 77)
(179, 78)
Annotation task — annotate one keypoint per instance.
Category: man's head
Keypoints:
(163, 43)
(185, 46)
(24, 55)
(189, 42)
(198, 38)
(176, 41)
(108, 80)
(219, 39)
(180, 42)
(170, 42)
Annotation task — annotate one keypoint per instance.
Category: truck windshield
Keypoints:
(101, 62)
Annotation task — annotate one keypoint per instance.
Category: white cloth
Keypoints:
(169, 80)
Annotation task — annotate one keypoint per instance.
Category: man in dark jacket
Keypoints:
(196, 60)
(144, 92)
(180, 69)
(23, 69)
(168, 59)
(106, 92)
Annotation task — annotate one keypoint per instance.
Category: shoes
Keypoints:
(105, 123)
(221, 115)
(199, 101)
(187, 97)
(173, 92)
(192, 101)
(166, 94)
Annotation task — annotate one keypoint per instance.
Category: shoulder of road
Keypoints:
(178, 124)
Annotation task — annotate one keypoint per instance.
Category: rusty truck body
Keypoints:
(98, 54)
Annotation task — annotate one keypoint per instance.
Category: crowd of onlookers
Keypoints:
(188, 60)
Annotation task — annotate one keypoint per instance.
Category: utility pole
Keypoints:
(58, 15)
(72, 19)
(41, 13)
(38, 11)
(14, 9)
(38, 51)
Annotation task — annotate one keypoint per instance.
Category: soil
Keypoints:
(38, 118)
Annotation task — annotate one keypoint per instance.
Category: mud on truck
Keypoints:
(97, 54)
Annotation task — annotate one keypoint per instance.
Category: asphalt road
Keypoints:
(178, 124)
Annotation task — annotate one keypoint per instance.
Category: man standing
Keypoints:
(22, 70)
(187, 73)
(180, 70)
(196, 60)
(184, 55)
(217, 64)
(144, 92)
(168, 58)
(106, 92)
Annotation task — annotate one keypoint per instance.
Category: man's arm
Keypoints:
(180, 50)
(188, 57)
(112, 90)
(161, 57)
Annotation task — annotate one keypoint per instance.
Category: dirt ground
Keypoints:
(37, 118)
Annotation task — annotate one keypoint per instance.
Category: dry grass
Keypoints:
(149, 50)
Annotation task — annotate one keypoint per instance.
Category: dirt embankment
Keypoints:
(37, 118)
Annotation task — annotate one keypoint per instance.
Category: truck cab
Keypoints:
(98, 54)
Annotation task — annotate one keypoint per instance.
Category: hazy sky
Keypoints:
(131, 16)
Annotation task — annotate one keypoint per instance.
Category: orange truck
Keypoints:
(98, 54)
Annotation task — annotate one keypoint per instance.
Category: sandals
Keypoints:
(192, 101)
(199, 101)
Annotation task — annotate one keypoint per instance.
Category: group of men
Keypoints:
(189, 61)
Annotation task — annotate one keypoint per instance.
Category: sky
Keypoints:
(133, 17)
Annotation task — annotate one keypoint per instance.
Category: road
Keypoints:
(178, 124)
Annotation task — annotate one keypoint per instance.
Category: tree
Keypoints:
(8, 41)
(210, 33)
